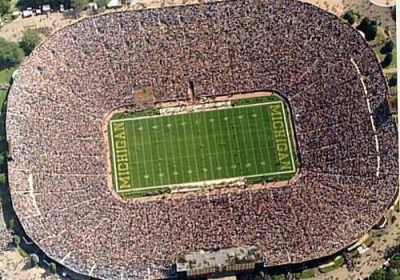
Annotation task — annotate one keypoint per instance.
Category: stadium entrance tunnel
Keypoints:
(233, 141)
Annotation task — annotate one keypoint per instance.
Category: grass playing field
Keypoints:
(250, 139)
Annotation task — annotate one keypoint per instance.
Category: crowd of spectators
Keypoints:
(322, 66)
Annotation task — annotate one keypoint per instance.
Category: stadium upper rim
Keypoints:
(65, 216)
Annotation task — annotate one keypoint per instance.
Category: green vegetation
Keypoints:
(238, 141)
(78, 6)
(6, 74)
(397, 207)
(369, 28)
(390, 273)
(22, 252)
(308, 273)
(354, 254)
(339, 261)
(335, 264)
(12, 224)
(29, 41)
(350, 17)
(16, 240)
(392, 80)
(34, 260)
(369, 242)
(395, 262)
(327, 269)
(278, 277)
(382, 53)
(2, 179)
(378, 233)
(53, 267)
(101, 3)
(5, 6)
(387, 60)
(10, 54)
(388, 47)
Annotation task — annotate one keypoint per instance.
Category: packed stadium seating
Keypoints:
(330, 76)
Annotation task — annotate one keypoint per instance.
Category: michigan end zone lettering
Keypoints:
(121, 158)
(281, 138)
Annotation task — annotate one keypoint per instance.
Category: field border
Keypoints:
(207, 182)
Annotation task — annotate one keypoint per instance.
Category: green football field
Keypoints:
(150, 152)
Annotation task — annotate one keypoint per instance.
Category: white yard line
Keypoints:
(145, 166)
(160, 175)
(165, 151)
(173, 158)
(151, 153)
(188, 152)
(216, 148)
(226, 161)
(266, 137)
(378, 158)
(179, 146)
(252, 141)
(128, 150)
(230, 144)
(209, 149)
(195, 156)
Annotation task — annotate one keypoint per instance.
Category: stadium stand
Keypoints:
(322, 66)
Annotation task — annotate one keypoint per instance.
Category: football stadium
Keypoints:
(138, 140)
(168, 147)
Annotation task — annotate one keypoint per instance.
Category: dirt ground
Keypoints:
(13, 30)
(15, 267)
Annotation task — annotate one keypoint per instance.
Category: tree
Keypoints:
(10, 54)
(34, 259)
(16, 240)
(79, 5)
(30, 40)
(388, 47)
(393, 80)
(350, 17)
(2, 157)
(369, 28)
(387, 60)
(4, 6)
(391, 274)
(378, 275)
(101, 3)
(395, 262)
(53, 267)
(2, 179)
(12, 224)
